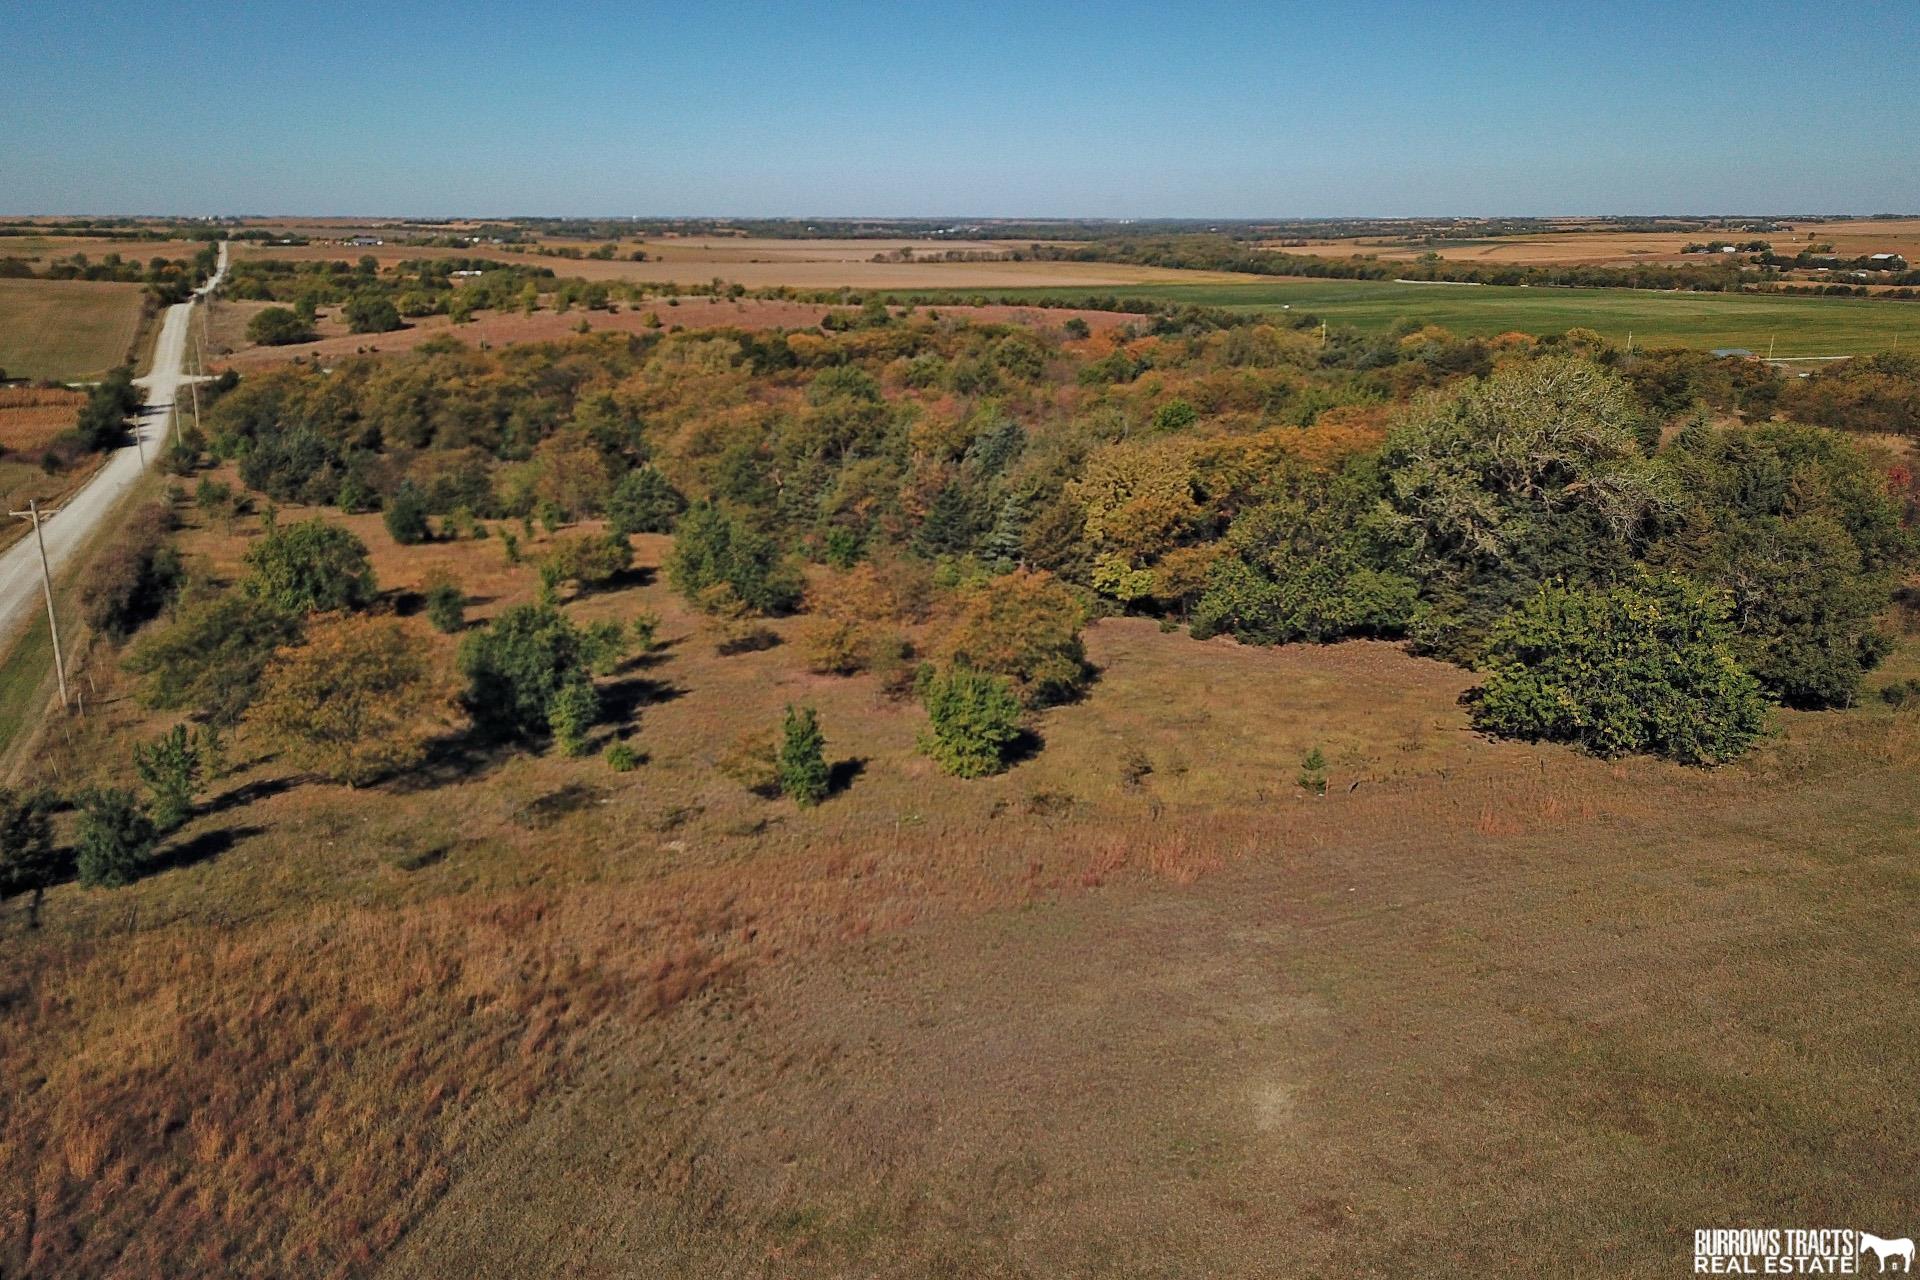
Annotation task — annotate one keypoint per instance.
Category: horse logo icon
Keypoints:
(1884, 1249)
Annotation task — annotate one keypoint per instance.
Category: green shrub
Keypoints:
(211, 658)
(644, 502)
(371, 313)
(974, 721)
(714, 547)
(1623, 669)
(277, 327)
(115, 837)
(622, 758)
(406, 515)
(591, 560)
(310, 567)
(446, 606)
(572, 713)
(803, 764)
(517, 667)
(173, 772)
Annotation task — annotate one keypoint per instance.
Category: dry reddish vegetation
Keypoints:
(507, 327)
(1140, 1004)
(30, 417)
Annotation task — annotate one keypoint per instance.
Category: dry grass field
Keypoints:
(1139, 1007)
(39, 250)
(1585, 247)
(757, 264)
(70, 330)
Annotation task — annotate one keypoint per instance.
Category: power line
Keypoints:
(34, 513)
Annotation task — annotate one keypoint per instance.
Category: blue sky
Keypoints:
(1120, 109)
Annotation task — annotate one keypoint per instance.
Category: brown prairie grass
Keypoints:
(341, 1027)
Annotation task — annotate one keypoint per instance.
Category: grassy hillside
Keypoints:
(1140, 998)
(71, 330)
(1236, 959)
(1798, 326)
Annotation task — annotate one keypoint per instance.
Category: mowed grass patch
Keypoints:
(1793, 326)
(1477, 1046)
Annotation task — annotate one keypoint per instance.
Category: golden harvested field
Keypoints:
(39, 249)
(802, 264)
(1139, 1007)
(30, 417)
(69, 330)
(1849, 238)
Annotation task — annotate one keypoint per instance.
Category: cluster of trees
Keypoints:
(1549, 476)
(1251, 479)
(168, 280)
(1221, 253)
(373, 300)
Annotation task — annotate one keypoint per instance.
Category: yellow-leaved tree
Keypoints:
(358, 701)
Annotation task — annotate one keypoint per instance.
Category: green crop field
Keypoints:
(1795, 326)
(71, 330)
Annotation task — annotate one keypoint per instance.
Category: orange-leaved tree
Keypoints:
(358, 701)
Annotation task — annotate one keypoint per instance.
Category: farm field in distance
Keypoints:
(771, 263)
(68, 330)
(1799, 326)
(1579, 244)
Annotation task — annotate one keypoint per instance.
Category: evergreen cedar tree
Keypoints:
(172, 770)
(1264, 482)
(115, 838)
(29, 862)
(804, 777)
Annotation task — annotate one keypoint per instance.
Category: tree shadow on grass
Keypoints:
(619, 699)
(462, 756)
(841, 773)
(206, 845)
(1023, 748)
(248, 793)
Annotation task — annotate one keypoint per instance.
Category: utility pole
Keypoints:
(46, 584)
